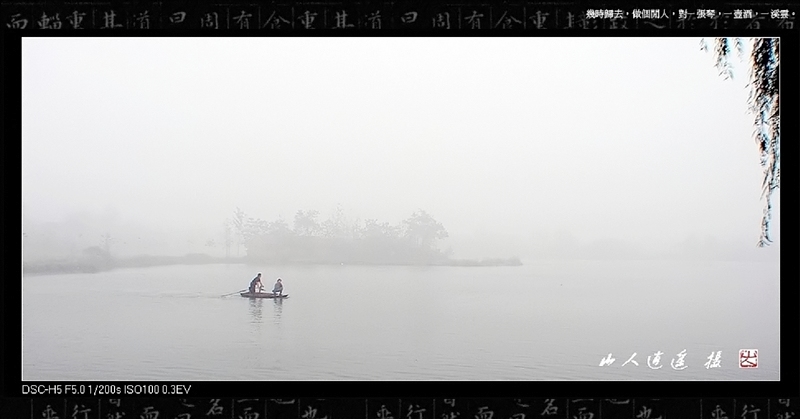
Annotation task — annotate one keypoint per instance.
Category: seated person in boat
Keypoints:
(278, 288)
(255, 284)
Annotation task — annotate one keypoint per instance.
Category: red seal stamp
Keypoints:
(748, 358)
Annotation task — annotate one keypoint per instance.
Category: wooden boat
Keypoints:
(262, 295)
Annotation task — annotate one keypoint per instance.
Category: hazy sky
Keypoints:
(630, 138)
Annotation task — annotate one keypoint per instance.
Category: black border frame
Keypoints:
(789, 386)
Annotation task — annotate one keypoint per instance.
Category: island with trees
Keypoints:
(335, 241)
(308, 241)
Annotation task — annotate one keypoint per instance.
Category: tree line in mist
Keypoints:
(306, 240)
(310, 239)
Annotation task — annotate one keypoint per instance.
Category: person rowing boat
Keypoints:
(255, 284)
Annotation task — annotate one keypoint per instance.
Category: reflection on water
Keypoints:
(255, 309)
(278, 309)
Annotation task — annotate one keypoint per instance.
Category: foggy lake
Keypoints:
(542, 321)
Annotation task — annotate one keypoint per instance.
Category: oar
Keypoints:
(235, 292)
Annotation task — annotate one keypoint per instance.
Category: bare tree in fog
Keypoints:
(764, 104)
(240, 224)
(336, 225)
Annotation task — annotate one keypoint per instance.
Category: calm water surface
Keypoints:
(542, 321)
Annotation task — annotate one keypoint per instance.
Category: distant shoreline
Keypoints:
(67, 267)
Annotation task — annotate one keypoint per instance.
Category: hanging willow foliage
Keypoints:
(764, 104)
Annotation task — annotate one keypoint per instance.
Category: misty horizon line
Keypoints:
(111, 219)
(126, 237)
(526, 250)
